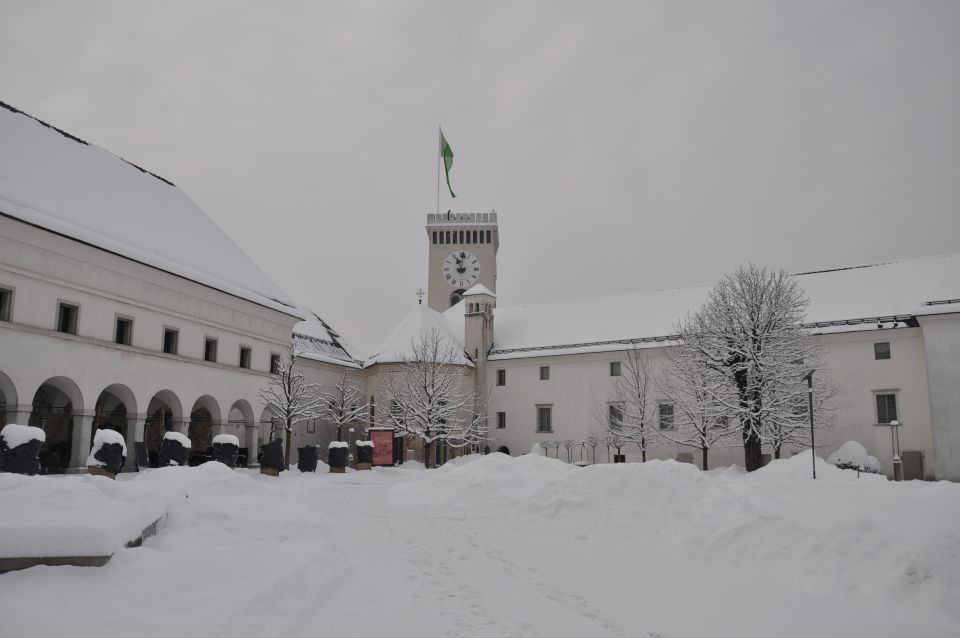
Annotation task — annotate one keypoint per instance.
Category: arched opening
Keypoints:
(164, 414)
(239, 417)
(456, 296)
(204, 414)
(112, 408)
(503, 449)
(54, 405)
(8, 400)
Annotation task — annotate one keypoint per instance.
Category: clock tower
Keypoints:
(463, 253)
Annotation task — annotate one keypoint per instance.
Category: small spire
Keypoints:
(420, 295)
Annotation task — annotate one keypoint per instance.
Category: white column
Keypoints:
(19, 414)
(81, 443)
(135, 426)
(252, 443)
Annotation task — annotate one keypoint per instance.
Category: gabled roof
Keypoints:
(63, 184)
(421, 321)
(876, 294)
(479, 289)
(320, 342)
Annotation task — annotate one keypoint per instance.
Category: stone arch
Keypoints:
(204, 420)
(164, 414)
(114, 407)
(56, 405)
(8, 399)
(456, 296)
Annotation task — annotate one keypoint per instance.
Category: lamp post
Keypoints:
(351, 431)
(895, 448)
(813, 454)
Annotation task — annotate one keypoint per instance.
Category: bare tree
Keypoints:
(429, 397)
(700, 421)
(342, 405)
(627, 417)
(289, 398)
(749, 336)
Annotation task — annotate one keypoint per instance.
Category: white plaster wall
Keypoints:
(942, 342)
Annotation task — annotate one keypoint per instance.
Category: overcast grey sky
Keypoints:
(625, 145)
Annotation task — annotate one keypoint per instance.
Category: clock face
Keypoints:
(461, 269)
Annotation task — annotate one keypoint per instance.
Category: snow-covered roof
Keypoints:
(479, 289)
(320, 342)
(421, 321)
(861, 295)
(59, 182)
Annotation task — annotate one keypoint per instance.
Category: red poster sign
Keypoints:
(382, 446)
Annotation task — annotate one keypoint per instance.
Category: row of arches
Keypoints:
(58, 407)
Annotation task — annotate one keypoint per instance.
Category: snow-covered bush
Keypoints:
(109, 452)
(174, 449)
(853, 456)
(226, 447)
(20, 448)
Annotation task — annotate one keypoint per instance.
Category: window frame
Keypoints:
(273, 365)
(501, 420)
(616, 366)
(549, 412)
(673, 415)
(501, 377)
(895, 393)
(544, 373)
(249, 351)
(75, 323)
(878, 354)
(117, 318)
(176, 340)
(206, 342)
(6, 309)
(618, 406)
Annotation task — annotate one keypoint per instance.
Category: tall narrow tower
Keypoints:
(463, 252)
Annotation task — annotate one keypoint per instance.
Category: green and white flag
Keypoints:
(447, 154)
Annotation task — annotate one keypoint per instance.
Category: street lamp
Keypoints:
(813, 454)
(895, 448)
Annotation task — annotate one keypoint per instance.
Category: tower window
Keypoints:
(488, 237)
(124, 331)
(501, 377)
(6, 304)
(474, 236)
(544, 373)
(501, 420)
(170, 339)
(434, 236)
(274, 363)
(448, 235)
(665, 414)
(481, 238)
(244, 357)
(462, 241)
(881, 350)
(67, 318)
(210, 349)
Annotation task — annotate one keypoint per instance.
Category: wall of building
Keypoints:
(942, 343)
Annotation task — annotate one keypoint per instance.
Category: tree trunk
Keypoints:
(752, 450)
(703, 453)
(776, 451)
(427, 454)
(643, 450)
(286, 451)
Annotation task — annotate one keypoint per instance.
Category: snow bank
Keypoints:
(178, 437)
(852, 454)
(103, 437)
(335, 444)
(364, 443)
(230, 439)
(15, 435)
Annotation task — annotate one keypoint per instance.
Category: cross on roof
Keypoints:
(420, 295)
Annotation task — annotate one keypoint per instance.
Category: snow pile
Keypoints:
(853, 455)
(103, 437)
(364, 443)
(230, 439)
(15, 435)
(178, 437)
(336, 444)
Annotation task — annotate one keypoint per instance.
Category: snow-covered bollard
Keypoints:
(337, 453)
(364, 455)
(174, 449)
(20, 448)
(271, 457)
(307, 457)
(108, 454)
(225, 449)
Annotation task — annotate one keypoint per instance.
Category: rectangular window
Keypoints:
(886, 408)
(462, 241)
(665, 415)
(448, 235)
(274, 363)
(67, 318)
(544, 373)
(244, 357)
(614, 368)
(6, 304)
(501, 377)
(488, 237)
(171, 337)
(481, 238)
(544, 418)
(501, 420)
(434, 236)
(881, 350)
(474, 236)
(124, 332)
(615, 416)
(210, 349)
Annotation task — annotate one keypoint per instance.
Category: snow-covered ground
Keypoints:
(530, 546)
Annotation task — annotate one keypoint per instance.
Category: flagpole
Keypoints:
(439, 133)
